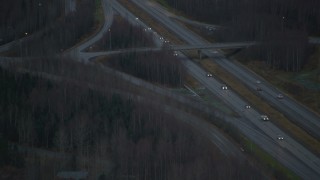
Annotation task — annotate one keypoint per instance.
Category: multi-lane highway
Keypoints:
(295, 111)
(294, 156)
(251, 117)
(264, 133)
(308, 165)
(215, 136)
(223, 143)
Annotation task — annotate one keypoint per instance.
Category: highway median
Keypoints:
(232, 81)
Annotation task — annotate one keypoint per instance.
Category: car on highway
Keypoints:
(280, 137)
(175, 53)
(224, 87)
(209, 74)
(280, 96)
(247, 106)
(264, 117)
(258, 82)
(210, 28)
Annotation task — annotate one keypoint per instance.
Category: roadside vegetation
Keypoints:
(282, 27)
(303, 86)
(61, 34)
(278, 169)
(277, 59)
(20, 17)
(280, 120)
(11, 161)
(156, 67)
(284, 58)
(95, 117)
(271, 164)
(99, 14)
(68, 107)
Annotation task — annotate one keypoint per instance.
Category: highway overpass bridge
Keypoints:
(228, 45)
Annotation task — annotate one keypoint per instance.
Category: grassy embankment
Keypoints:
(259, 154)
(290, 83)
(282, 82)
(267, 161)
(303, 86)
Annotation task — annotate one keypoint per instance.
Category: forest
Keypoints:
(156, 67)
(94, 112)
(71, 116)
(282, 26)
(160, 67)
(53, 30)
(20, 16)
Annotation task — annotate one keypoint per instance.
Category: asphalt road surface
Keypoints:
(264, 133)
(295, 111)
(78, 52)
(229, 45)
(308, 165)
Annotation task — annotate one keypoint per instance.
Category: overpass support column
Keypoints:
(200, 54)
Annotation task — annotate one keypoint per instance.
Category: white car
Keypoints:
(280, 96)
(247, 106)
(210, 28)
(264, 117)
(280, 137)
(224, 87)
(209, 75)
(175, 53)
(258, 82)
